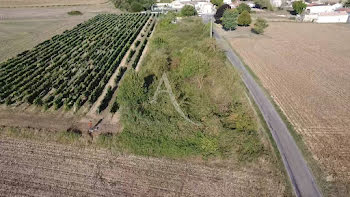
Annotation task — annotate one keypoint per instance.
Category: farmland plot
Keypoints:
(72, 68)
(306, 69)
(50, 169)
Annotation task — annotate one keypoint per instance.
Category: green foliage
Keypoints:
(299, 6)
(75, 12)
(243, 7)
(244, 18)
(133, 5)
(217, 2)
(347, 4)
(208, 91)
(131, 92)
(229, 19)
(263, 4)
(136, 7)
(188, 10)
(71, 69)
(259, 26)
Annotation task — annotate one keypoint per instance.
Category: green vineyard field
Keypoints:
(71, 69)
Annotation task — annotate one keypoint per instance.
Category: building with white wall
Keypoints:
(321, 8)
(205, 8)
(333, 17)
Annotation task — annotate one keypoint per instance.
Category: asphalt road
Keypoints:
(298, 171)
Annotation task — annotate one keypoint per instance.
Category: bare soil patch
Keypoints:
(306, 69)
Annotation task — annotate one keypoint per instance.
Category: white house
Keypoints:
(333, 17)
(205, 8)
(321, 8)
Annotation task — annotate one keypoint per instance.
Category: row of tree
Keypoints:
(240, 16)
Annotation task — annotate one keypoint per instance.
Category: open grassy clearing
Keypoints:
(305, 68)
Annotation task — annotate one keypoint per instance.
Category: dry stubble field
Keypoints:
(33, 168)
(306, 69)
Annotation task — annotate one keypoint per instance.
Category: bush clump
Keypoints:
(229, 19)
(188, 10)
(217, 2)
(263, 4)
(133, 5)
(244, 19)
(243, 7)
(74, 13)
(299, 6)
(220, 12)
(259, 26)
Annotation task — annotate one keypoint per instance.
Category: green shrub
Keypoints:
(217, 2)
(188, 10)
(299, 6)
(75, 13)
(347, 4)
(259, 26)
(244, 19)
(229, 19)
(243, 7)
(263, 4)
(136, 7)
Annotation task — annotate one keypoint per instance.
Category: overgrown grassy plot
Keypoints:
(72, 68)
(207, 89)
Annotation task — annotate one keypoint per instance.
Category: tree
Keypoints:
(242, 7)
(263, 4)
(244, 19)
(229, 19)
(259, 26)
(136, 7)
(299, 6)
(347, 4)
(220, 12)
(188, 10)
(217, 2)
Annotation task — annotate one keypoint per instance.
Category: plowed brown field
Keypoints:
(49, 169)
(306, 69)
